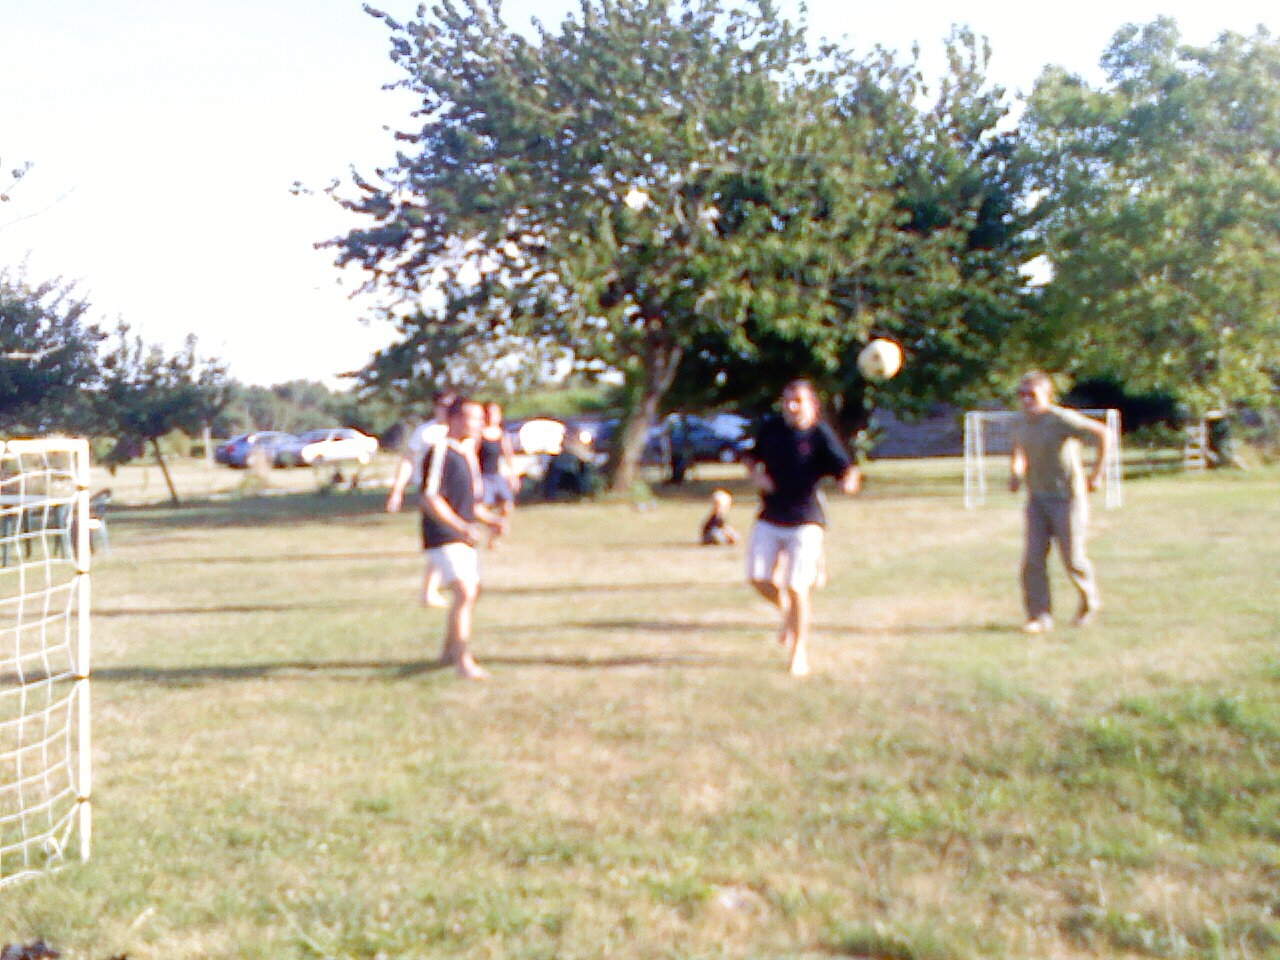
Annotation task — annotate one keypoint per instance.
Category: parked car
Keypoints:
(702, 443)
(731, 425)
(328, 445)
(241, 449)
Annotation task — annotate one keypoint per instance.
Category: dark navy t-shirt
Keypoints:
(448, 471)
(796, 460)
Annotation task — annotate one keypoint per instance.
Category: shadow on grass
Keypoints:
(292, 606)
(386, 670)
(372, 555)
(767, 622)
(282, 510)
(558, 589)
(365, 603)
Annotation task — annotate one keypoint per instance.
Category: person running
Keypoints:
(409, 475)
(1046, 457)
(452, 523)
(498, 475)
(790, 457)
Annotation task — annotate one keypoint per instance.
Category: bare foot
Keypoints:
(434, 598)
(468, 669)
(800, 666)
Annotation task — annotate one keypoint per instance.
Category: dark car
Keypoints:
(240, 450)
(702, 443)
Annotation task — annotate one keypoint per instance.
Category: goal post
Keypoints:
(989, 433)
(45, 757)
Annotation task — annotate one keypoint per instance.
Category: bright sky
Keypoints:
(165, 138)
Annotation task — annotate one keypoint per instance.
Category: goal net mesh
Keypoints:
(44, 655)
(989, 434)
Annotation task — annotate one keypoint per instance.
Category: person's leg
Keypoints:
(459, 573)
(807, 564)
(1071, 525)
(457, 642)
(764, 560)
(780, 600)
(1035, 565)
(796, 617)
(505, 507)
(432, 596)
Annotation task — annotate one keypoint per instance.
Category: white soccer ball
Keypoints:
(880, 359)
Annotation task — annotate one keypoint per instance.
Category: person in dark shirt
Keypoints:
(452, 521)
(791, 455)
(408, 475)
(498, 476)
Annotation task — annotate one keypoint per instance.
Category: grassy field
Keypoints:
(281, 772)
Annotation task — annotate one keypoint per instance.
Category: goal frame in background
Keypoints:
(45, 748)
(978, 444)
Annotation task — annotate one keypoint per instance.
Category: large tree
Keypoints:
(1163, 195)
(48, 355)
(651, 173)
(943, 273)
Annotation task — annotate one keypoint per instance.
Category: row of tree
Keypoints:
(698, 197)
(300, 405)
(61, 373)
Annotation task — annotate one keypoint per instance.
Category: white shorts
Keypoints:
(789, 556)
(456, 563)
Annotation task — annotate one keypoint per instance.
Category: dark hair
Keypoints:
(1036, 378)
(456, 404)
(801, 383)
(445, 395)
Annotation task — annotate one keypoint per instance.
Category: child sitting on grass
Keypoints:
(716, 530)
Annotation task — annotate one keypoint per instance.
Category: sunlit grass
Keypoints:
(282, 772)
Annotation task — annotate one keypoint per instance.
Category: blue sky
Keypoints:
(165, 138)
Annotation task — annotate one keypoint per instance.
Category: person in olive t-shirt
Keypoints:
(1046, 457)
(785, 550)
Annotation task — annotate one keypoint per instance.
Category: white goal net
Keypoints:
(989, 433)
(44, 655)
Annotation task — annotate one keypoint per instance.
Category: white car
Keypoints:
(333, 445)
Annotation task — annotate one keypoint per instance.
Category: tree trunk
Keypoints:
(660, 363)
(164, 468)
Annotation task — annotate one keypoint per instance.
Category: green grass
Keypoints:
(281, 772)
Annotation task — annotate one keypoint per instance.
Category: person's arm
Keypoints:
(509, 462)
(758, 474)
(490, 518)
(404, 470)
(437, 507)
(1103, 437)
(1017, 466)
(851, 480)
(844, 468)
(753, 459)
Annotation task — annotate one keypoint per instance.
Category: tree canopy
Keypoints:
(145, 393)
(650, 174)
(1162, 200)
(48, 354)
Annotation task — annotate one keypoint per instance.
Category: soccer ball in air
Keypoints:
(880, 359)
